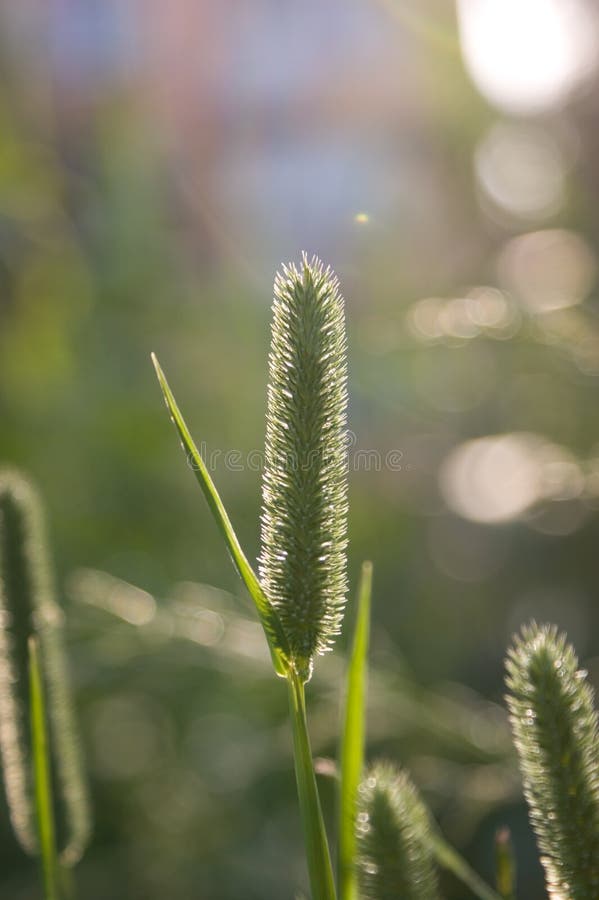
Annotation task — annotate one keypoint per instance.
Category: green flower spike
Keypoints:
(555, 731)
(395, 855)
(302, 564)
(29, 612)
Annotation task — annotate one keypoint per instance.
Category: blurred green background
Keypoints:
(157, 163)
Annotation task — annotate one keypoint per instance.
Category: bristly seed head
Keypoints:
(304, 514)
(556, 733)
(28, 609)
(393, 830)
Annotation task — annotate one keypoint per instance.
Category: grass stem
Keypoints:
(42, 779)
(317, 848)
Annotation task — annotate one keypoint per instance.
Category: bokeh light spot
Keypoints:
(548, 270)
(520, 169)
(482, 311)
(500, 477)
(491, 479)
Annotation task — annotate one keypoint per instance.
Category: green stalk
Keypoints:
(352, 741)
(42, 778)
(317, 848)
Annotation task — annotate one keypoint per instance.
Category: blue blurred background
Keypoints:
(157, 163)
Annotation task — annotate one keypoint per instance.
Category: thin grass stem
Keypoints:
(42, 778)
(317, 849)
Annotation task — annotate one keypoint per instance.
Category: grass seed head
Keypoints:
(554, 723)
(395, 858)
(28, 608)
(304, 513)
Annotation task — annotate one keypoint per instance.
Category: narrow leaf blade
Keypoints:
(450, 859)
(505, 864)
(42, 778)
(352, 739)
(275, 636)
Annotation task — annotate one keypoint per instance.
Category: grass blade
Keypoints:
(275, 635)
(317, 849)
(352, 740)
(450, 859)
(505, 865)
(42, 778)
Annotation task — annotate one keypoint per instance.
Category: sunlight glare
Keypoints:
(527, 57)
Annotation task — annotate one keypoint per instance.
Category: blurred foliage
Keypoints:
(148, 192)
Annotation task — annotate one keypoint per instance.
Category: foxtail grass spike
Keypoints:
(395, 856)
(28, 609)
(304, 513)
(556, 735)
